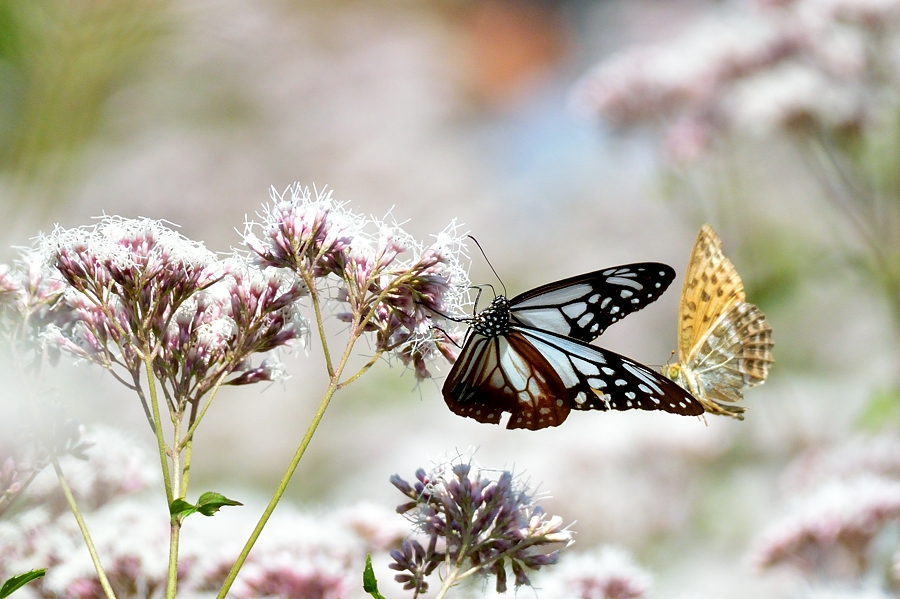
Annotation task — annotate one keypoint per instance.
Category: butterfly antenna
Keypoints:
(489, 264)
(671, 355)
(447, 335)
(442, 315)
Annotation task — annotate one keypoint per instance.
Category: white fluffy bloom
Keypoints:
(792, 94)
(606, 572)
(844, 514)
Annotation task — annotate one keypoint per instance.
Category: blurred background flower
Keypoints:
(775, 121)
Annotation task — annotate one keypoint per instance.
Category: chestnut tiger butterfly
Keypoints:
(724, 342)
(530, 355)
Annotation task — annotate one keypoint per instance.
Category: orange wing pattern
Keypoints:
(711, 288)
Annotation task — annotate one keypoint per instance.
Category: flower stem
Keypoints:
(157, 428)
(362, 370)
(70, 499)
(174, 523)
(292, 467)
(310, 283)
(189, 436)
(448, 582)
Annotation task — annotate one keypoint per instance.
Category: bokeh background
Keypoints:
(190, 110)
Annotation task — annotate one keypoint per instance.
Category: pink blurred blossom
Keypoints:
(828, 531)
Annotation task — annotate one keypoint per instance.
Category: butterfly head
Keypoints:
(493, 321)
(676, 373)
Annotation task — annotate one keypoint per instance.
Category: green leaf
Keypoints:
(17, 582)
(211, 502)
(208, 504)
(370, 585)
(180, 507)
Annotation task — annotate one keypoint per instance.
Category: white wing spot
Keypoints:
(658, 285)
(608, 371)
(573, 310)
(584, 320)
(628, 403)
(625, 294)
(656, 401)
(584, 367)
(645, 389)
(594, 327)
(644, 375)
(635, 301)
(605, 303)
(629, 395)
(621, 382)
(580, 398)
(615, 310)
(594, 298)
(681, 403)
(559, 403)
(625, 282)
(606, 273)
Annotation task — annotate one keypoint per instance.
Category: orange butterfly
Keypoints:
(724, 342)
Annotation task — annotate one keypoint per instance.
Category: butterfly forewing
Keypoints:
(506, 373)
(598, 379)
(711, 287)
(583, 307)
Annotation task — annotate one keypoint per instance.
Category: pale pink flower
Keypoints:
(395, 287)
(877, 456)
(606, 572)
(829, 530)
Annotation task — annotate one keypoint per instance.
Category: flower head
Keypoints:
(478, 524)
(127, 279)
(831, 528)
(300, 231)
(393, 286)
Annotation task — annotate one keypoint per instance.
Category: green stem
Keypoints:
(448, 582)
(174, 523)
(157, 428)
(362, 370)
(70, 499)
(172, 574)
(295, 461)
(188, 444)
(310, 283)
(195, 421)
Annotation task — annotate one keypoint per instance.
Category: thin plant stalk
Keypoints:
(95, 558)
(333, 385)
(295, 461)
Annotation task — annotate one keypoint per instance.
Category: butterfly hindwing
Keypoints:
(598, 379)
(506, 374)
(583, 307)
